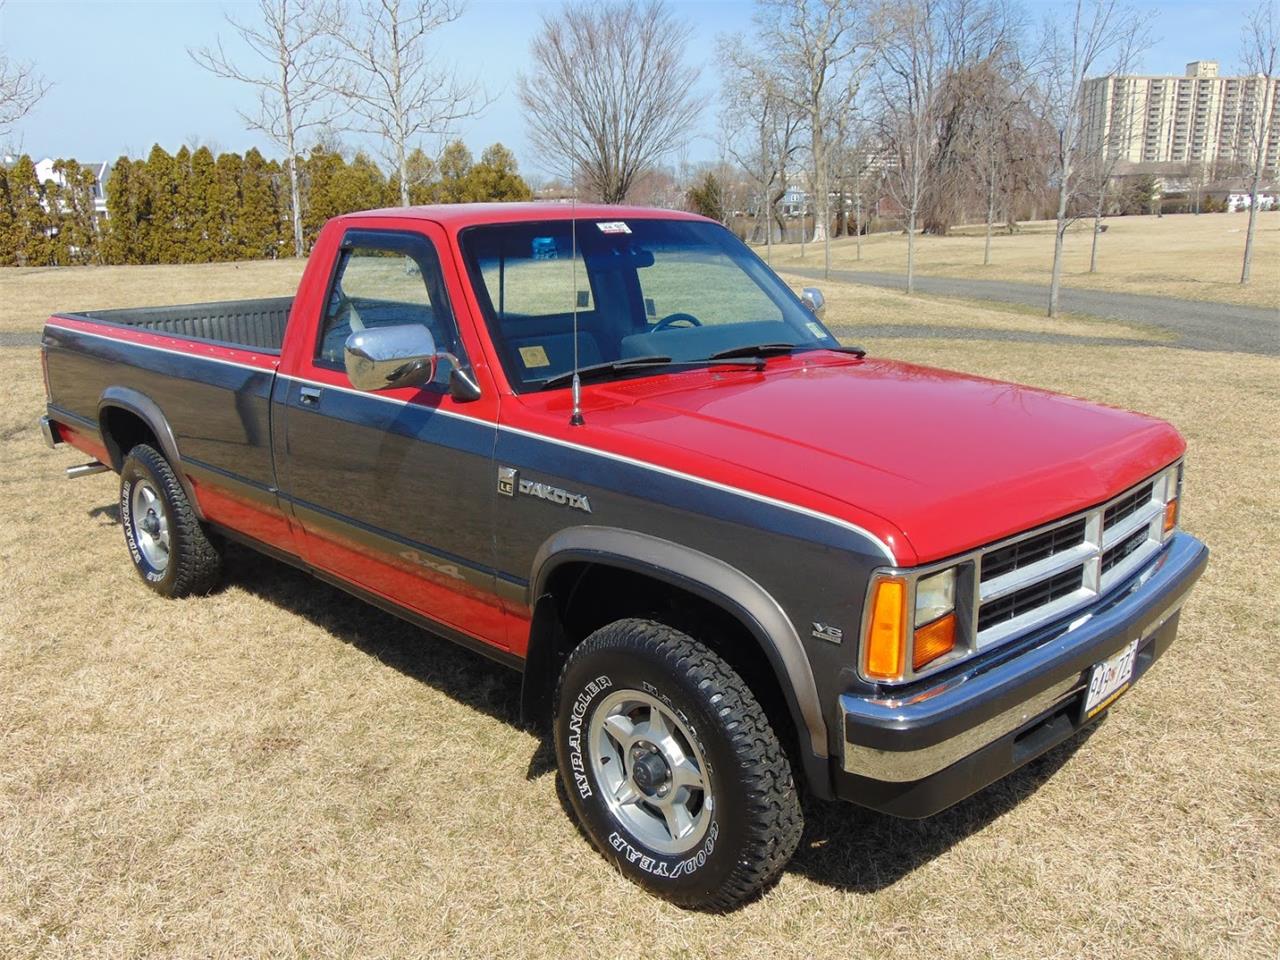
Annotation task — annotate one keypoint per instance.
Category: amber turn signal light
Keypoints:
(1170, 515)
(933, 640)
(885, 649)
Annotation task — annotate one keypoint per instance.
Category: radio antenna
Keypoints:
(575, 419)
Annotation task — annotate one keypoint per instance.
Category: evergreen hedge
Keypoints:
(193, 207)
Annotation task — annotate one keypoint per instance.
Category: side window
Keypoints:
(381, 281)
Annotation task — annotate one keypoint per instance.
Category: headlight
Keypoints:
(898, 640)
(935, 596)
(935, 624)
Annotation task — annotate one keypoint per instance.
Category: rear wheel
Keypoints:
(169, 548)
(671, 766)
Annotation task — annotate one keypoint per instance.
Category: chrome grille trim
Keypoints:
(1080, 542)
(1040, 570)
(1141, 506)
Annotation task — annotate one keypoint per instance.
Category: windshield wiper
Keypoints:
(755, 350)
(595, 369)
(761, 350)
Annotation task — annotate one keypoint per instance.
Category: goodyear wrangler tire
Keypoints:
(671, 766)
(168, 546)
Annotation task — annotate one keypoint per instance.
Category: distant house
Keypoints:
(887, 208)
(101, 171)
(1234, 194)
(1242, 201)
(794, 202)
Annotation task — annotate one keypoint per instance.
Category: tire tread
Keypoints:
(198, 562)
(775, 821)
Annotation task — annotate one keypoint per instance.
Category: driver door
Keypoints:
(393, 489)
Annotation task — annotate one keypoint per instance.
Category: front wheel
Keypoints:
(672, 767)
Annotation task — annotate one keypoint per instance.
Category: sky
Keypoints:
(122, 78)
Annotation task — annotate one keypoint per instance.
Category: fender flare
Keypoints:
(714, 581)
(146, 410)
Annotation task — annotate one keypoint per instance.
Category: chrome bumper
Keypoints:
(905, 739)
(50, 430)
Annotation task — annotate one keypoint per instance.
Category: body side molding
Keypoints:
(710, 578)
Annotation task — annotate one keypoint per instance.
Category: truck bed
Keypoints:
(255, 324)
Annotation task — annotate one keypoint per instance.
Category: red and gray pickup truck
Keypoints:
(608, 447)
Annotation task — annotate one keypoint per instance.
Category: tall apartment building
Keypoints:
(1199, 118)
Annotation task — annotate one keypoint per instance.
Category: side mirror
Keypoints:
(812, 298)
(379, 358)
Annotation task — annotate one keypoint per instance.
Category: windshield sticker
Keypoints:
(544, 248)
(613, 226)
(816, 330)
(534, 356)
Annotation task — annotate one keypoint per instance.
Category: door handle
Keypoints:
(309, 395)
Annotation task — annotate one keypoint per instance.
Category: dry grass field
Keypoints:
(279, 770)
(1197, 258)
(850, 305)
(29, 294)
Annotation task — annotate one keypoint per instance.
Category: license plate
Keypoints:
(1109, 679)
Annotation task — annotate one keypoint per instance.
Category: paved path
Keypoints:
(1198, 324)
(866, 333)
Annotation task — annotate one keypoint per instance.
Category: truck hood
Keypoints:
(933, 462)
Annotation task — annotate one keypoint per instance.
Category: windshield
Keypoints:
(678, 290)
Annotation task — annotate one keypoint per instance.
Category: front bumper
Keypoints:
(916, 754)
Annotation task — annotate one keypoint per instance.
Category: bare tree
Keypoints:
(293, 70)
(855, 166)
(1010, 159)
(994, 128)
(1258, 51)
(394, 86)
(977, 99)
(610, 94)
(760, 128)
(987, 130)
(907, 94)
(938, 57)
(1105, 156)
(1099, 36)
(21, 88)
(824, 49)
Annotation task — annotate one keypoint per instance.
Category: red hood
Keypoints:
(933, 462)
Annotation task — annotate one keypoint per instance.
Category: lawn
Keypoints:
(280, 770)
(1197, 258)
(29, 294)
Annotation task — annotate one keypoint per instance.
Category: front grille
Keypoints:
(1030, 598)
(1023, 553)
(1124, 549)
(1044, 574)
(1127, 505)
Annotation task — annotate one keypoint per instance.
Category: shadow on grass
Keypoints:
(109, 513)
(466, 677)
(843, 846)
(862, 851)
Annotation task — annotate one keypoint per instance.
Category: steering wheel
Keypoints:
(671, 319)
